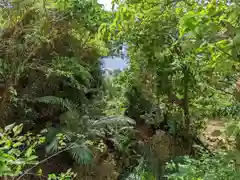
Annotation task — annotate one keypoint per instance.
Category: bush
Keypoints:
(217, 167)
(18, 154)
(17, 150)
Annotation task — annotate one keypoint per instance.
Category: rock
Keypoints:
(216, 133)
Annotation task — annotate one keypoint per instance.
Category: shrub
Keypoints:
(217, 167)
(17, 150)
(18, 154)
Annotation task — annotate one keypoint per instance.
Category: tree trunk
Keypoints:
(187, 122)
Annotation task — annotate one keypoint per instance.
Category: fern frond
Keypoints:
(71, 65)
(53, 100)
(71, 69)
(114, 120)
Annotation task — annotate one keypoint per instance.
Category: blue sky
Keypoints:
(112, 62)
(107, 3)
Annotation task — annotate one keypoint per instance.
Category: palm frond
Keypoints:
(52, 140)
(53, 146)
(77, 128)
(81, 153)
(51, 133)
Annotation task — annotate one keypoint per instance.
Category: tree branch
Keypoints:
(43, 161)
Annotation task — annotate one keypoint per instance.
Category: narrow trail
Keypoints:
(214, 135)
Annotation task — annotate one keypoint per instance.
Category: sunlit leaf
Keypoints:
(17, 129)
(9, 127)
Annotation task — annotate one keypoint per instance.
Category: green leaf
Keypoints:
(2, 142)
(29, 152)
(21, 138)
(232, 129)
(4, 169)
(237, 155)
(39, 172)
(18, 162)
(52, 177)
(187, 46)
(190, 23)
(9, 127)
(236, 39)
(17, 144)
(17, 129)
(15, 152)
(33, 157)
(7, 158)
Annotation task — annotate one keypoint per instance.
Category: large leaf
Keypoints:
(4, 169)
(17, 129)
(9, 127)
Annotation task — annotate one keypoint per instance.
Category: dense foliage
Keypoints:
(146, 122)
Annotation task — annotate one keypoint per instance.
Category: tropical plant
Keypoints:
(51, 42)
(183, 68)
(141, 172)
(182, 56)
(18, 154)
(79, 129)
(18, 150)
(69, 175)
(207, 166)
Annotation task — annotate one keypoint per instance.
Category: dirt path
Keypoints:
(214, 135)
